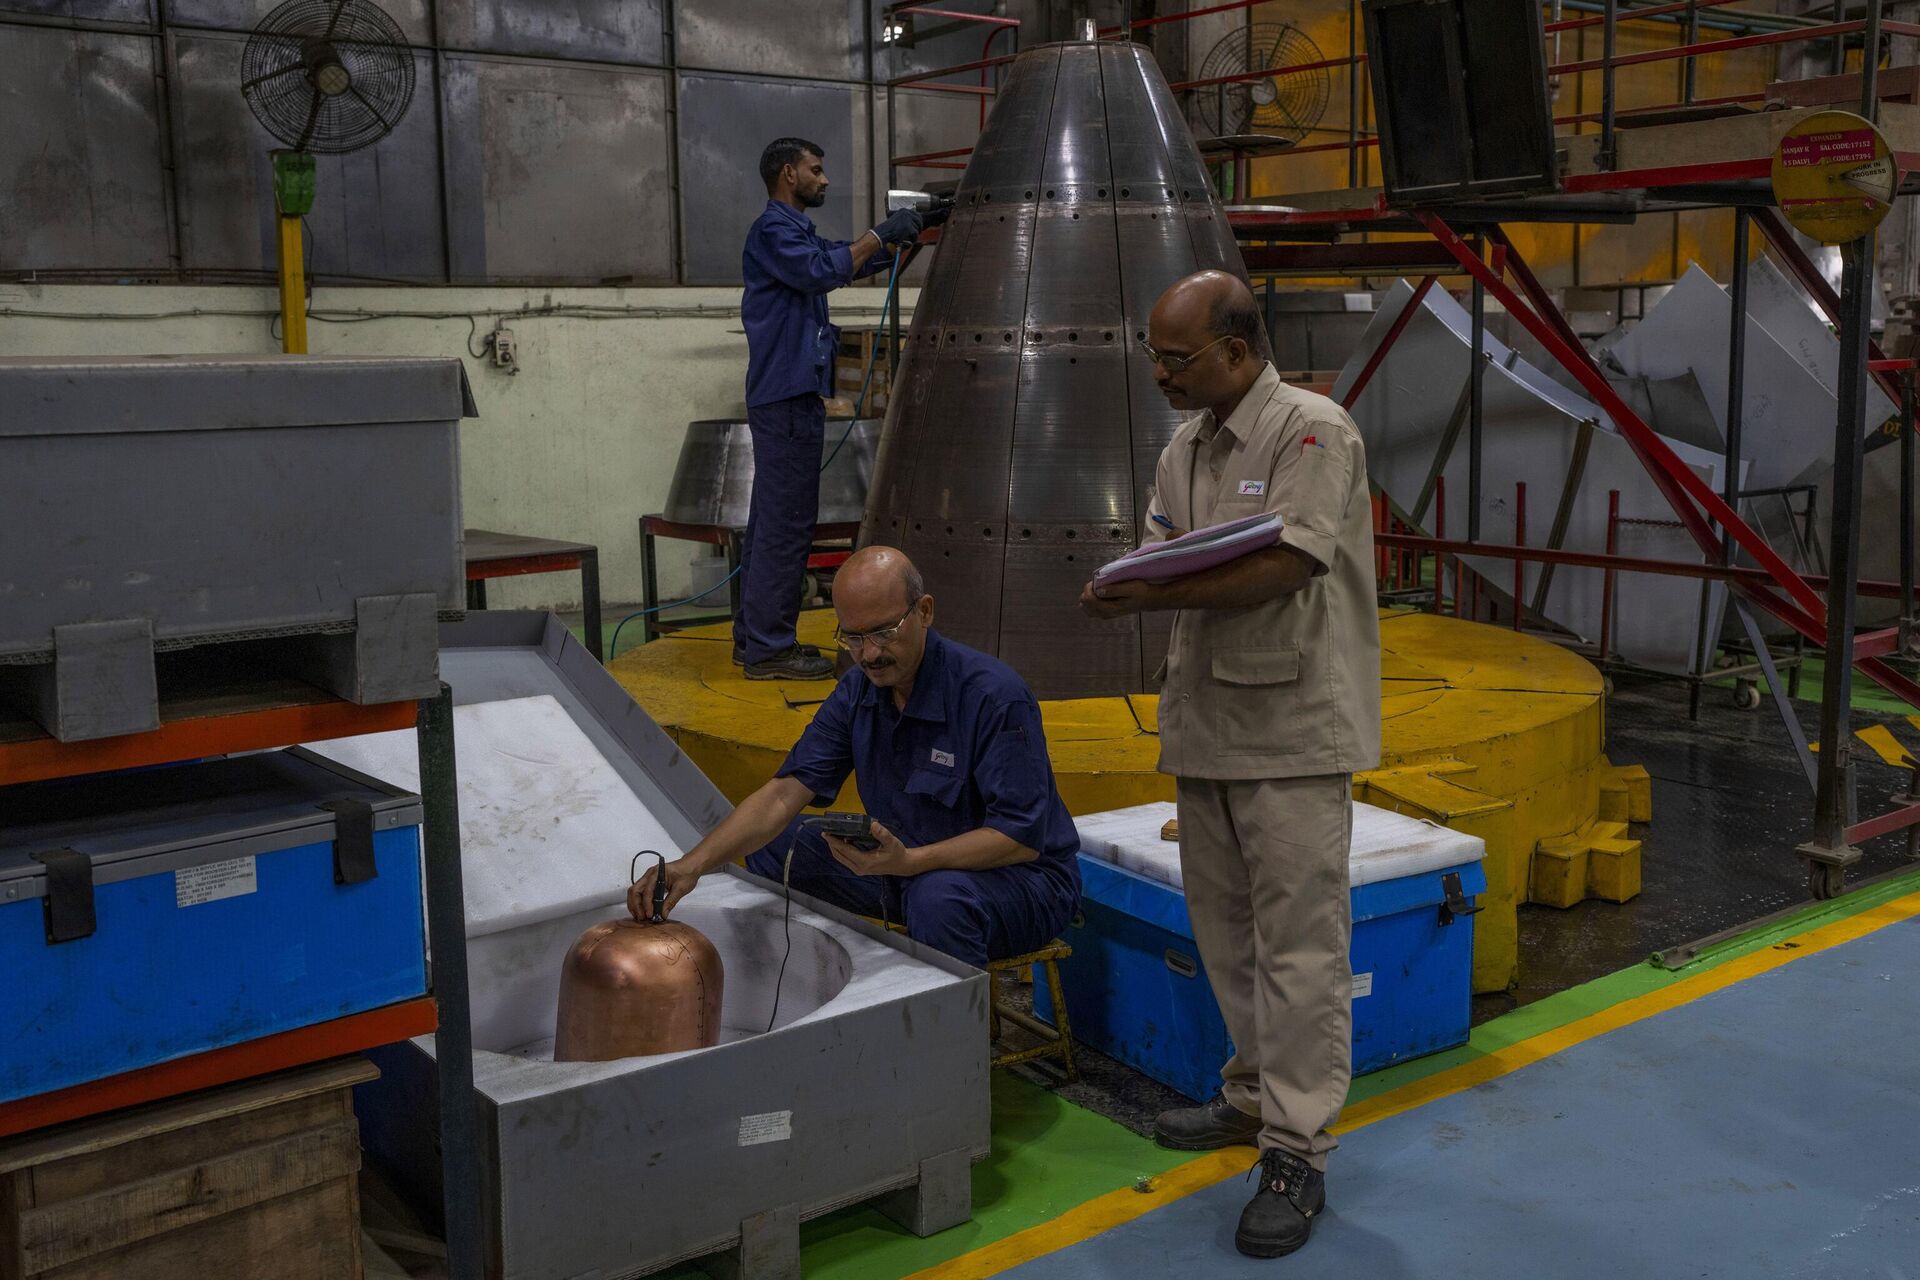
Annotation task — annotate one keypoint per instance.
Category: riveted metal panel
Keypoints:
(990, 291)
(1164, 118)
(1214, 247)
(1138, 141)
(824, 39)
(1074, 235)
(592, 30)
(1044, 635)
(1155, 250)
(1076, 147)
(1049, 269)
(244, 15)
(86, 108)
(960, 472)
(1072, 456)
(1011, 151)
(519, 137)
(376, 211)
(724, 123)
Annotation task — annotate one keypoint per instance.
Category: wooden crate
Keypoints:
(254, 1179)
(850, 367)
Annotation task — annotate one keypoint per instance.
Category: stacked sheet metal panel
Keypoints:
(1532, 429)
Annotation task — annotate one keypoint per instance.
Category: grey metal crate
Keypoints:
(872, 1087)
(155, 502)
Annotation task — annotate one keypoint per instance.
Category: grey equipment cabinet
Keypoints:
(153, 503)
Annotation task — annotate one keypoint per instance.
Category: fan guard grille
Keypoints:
(1286, 104)
(279, 83)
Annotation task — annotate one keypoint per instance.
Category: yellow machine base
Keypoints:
(1486, 731)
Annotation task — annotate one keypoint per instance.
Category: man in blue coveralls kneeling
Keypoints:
(976, 854)
(789, 270)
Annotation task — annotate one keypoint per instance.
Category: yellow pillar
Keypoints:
(293, 288)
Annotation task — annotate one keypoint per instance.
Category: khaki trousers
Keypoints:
(1265, 864)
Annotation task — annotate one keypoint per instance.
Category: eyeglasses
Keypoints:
(1179, 364)
(879, 637)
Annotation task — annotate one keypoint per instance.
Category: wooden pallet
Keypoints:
(258, 1178)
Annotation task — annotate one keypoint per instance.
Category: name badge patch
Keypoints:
(1255, 488)
(943, 757)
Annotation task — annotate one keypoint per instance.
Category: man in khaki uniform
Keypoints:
(1271, 703)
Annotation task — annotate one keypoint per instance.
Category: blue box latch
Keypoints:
(68, 905)
(352, 841)
(1456, 902)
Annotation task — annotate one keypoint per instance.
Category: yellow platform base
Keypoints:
(1485, 731)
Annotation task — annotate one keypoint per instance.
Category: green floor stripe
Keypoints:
(1867, 695)
(1048, 1156)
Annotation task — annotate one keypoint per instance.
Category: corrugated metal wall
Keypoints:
(572, 141)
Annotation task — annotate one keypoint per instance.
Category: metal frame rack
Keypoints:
(227, 721)
(1693, 154)
(1689, 163)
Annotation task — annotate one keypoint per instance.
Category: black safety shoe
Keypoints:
(792, 663)
(1280, 1216)
(1207, 1127)
(740, 652)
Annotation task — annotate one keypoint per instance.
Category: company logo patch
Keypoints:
(943, 757)
(1254, 487)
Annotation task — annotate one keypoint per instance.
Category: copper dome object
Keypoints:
(631, 988)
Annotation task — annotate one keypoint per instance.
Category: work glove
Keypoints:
(901, 227)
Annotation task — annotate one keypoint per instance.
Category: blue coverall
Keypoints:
(967, 752)
(789, 270)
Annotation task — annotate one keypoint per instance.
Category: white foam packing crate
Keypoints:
(1385, 845)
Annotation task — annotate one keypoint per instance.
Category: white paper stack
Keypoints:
(1194, 552)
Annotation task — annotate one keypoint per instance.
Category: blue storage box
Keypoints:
(1136, 990)
(149, 915)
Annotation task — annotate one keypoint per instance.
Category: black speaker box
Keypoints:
(1460, 97)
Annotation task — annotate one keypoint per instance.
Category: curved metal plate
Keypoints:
(1076, 148)
(1078, 243)
(1012, 148)
(990, 284)
(1137, 137)
(1022, 444)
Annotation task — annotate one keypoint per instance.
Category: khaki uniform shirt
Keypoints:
(1289, 688)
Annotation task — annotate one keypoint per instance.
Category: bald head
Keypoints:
(884, 613)
(1217, 303)
(1207, 342)
(879, 578)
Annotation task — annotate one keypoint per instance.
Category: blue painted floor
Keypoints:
(1770, 1129)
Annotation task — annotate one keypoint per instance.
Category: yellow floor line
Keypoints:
(1103, 1213)
(1884, 744)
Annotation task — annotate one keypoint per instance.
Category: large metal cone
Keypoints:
(1020, 445)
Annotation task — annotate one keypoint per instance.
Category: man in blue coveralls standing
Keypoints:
(789, 270)
(976, 856)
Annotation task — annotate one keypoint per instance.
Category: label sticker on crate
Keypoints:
(770, 1126)
(196, 886)
(1362, 985)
